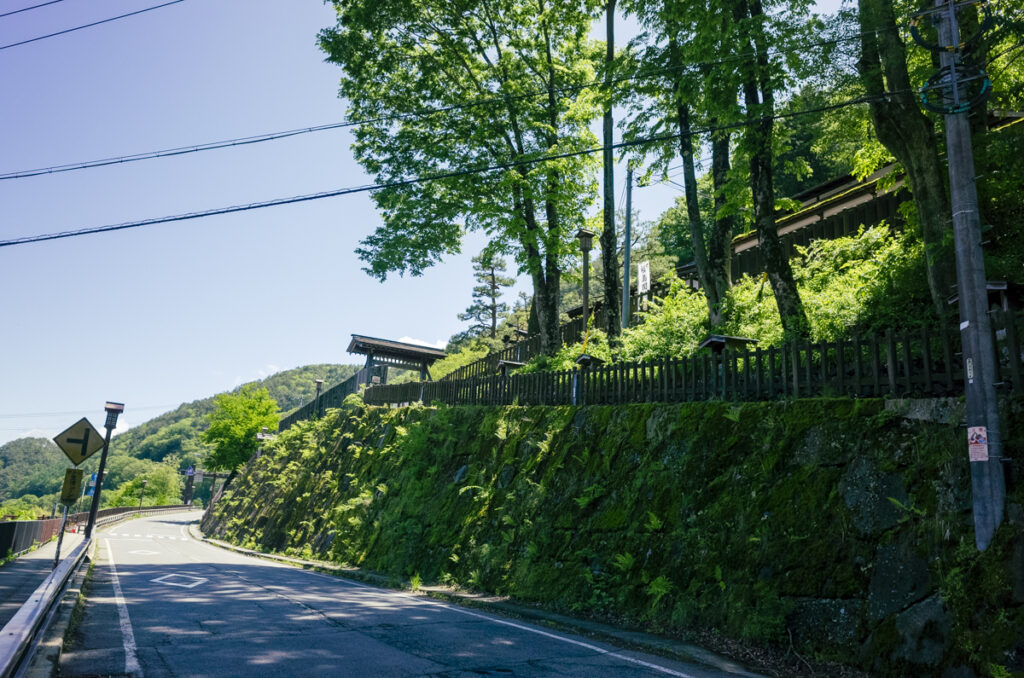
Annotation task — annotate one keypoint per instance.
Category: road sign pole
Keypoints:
(60, 536)
(112, 410)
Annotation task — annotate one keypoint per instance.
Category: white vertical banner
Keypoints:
(643, 277)
(643, 282)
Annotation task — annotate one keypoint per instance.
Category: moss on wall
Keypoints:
(835, 522)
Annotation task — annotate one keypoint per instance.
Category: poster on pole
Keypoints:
(977, 443)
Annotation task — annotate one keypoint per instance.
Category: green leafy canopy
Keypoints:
(237, 419)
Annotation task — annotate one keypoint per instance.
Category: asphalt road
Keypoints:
(164, 604)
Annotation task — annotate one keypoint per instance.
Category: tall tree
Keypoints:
(909, 135)
(499, 70)
(234, 423)
(698, 99)
(487, 308)
(760, 78)
(608, 240)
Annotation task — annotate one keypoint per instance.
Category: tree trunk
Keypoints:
(543, 269)
(720, 241)
(700, 255)
(494, 305)
(910, 136)
(759, 99)
(713, 278)
(608, 240)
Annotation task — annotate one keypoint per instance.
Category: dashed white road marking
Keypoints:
(131, 659)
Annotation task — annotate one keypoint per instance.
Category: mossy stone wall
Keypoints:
(835, 522)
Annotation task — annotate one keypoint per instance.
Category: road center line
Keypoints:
(131, 659)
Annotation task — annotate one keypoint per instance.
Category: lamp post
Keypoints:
(586, 239)
(316, 408)
(142, 493)
(112, 410)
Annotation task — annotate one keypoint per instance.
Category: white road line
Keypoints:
(131, 659)
(600, 650)
(497, 620)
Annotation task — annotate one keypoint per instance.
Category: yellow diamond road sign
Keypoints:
(80, 441)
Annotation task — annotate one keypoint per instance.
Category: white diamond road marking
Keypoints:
(189, 582)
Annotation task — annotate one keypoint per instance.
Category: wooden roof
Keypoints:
(721, 341)
(386, 348)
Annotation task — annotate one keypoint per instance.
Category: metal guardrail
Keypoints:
(18, 635)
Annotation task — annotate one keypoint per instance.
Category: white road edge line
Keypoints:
(554, 636)
(131, 659)
(497, 620)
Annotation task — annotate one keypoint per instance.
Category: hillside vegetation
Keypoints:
(839, 526)
(30, 466)
(32, 469)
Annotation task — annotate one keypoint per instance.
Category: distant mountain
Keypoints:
(177, 431)
(36, 465)
(30, 466)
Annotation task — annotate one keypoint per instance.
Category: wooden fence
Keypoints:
(745, 262)
(332, 397)
(520, 352)
(921, 363)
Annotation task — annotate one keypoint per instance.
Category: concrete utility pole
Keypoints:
(625, 261)
(609, 260)
(985, 445)
(112, 410)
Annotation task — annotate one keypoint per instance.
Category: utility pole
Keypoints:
(628, 243)
(953, 84)
(112, 410)
(609, 259)
(316, 408)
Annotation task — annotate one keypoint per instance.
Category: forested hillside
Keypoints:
(30, 466)
(32, 469)
(177, 432)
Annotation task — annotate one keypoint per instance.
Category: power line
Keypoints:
(25, 9)
(270, 136)
(181, 150)
(94, 23)
(78, 412)
(408, 182)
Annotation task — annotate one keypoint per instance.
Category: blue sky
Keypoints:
(157, 316)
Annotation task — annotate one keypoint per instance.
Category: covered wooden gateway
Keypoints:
(384, 353)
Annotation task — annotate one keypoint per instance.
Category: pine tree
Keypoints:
(487, 310)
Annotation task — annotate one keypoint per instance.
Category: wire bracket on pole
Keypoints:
(930, 11)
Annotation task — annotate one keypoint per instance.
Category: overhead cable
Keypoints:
(423, 113)
(94, 23)
(412, 180)
(25, 9)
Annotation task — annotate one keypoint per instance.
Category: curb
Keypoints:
(46, 660)
(502, 606)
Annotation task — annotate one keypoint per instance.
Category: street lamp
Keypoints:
(142, 493)
(316, 408)
(586, 239)
(112, 410)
